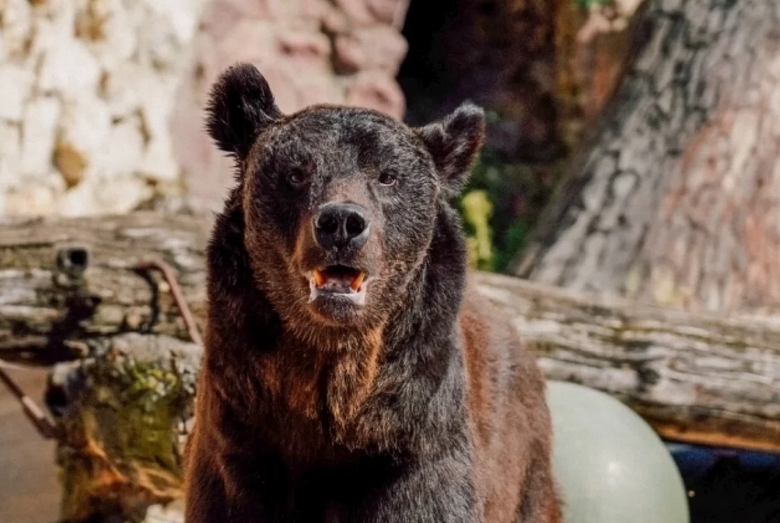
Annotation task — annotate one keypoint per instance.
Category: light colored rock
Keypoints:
(375, 12)
(78, 201)
(32, 198)
(104, 195)
(179, 15)
(124, 148)
(15, 25)
(114, 67)
(249, 41)
(358, 11)
(157, 45)
(283, 11)
(121, 90)
(335, 21)
(380, 47)
(82, 138)
(220, 17)
(317, 89)
(15, 84)
(156, 96)
(120, 195)
(10, 154)
(70, 70)
(158, 163)
(390, 12)
(307, 48)
(38, 134)
(109, 30)
(378, 91)
(173, 513)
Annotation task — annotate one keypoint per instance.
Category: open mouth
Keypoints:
(338, 280)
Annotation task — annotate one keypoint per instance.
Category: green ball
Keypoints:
(610, 466)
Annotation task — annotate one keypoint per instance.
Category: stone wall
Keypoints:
(311, 51)
(101, 101)
(87, 88)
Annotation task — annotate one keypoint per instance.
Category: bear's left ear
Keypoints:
(240, 107)
(454, 144)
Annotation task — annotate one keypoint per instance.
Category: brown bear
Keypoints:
(349, 374)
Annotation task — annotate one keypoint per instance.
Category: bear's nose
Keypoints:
(341, 225)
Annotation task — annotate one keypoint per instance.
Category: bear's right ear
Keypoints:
(240, 107)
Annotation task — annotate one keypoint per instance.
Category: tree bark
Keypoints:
(66, 282)
(123, 413)
(674, 200)
(695, 378)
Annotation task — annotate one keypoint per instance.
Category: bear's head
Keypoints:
(339, 204)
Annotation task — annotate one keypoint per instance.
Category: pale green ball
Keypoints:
(609, 464)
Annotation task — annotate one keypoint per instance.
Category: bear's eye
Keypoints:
(296, 177)
(387, 178)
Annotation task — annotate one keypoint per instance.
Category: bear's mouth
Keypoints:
(338, 280)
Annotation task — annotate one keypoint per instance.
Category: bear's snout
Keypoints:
(341, 227)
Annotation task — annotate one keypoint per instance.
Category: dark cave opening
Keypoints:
(499, 54)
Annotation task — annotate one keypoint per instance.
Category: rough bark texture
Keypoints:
(65, 282)
(675, 200)
(695, 378)
(123, 412)
(69, 290)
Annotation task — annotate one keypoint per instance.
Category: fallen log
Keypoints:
(66, 284)
(698, 379)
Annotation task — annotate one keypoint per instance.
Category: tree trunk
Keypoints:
(675, 199)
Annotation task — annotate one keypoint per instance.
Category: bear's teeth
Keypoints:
(358, 281)
(319, 278)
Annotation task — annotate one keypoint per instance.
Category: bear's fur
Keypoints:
(417, 404)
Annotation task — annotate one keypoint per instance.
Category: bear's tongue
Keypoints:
(339, 278)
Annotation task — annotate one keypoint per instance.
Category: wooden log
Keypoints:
(123, 414)
(704, 379)
(695, 378)
(65, 282)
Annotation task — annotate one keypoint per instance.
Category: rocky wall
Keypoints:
(101, 101)
(87, 89)
(311, 51)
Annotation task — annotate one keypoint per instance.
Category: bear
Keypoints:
(351, 372)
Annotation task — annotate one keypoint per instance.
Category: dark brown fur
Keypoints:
(421, 405)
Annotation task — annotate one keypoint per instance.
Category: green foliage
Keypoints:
(587, 4)
(501, 205)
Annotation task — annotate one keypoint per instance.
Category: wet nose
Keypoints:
(340, 226)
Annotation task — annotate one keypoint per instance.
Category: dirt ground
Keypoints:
(29, 492)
